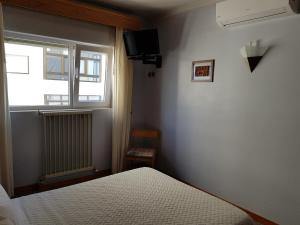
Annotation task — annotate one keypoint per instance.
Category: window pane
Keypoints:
(21, 60)
(90, 55)
(66, 61)
(94, 98)
(90, 98)
(93, 68)
(30, 90)
(56, 99)
(92, 79)
(83, 98)
(57, 51)
(54, 64)
(57, 63)
(82, 67)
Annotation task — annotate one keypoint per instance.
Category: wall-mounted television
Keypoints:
(141, 43)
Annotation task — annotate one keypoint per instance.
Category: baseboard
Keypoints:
(26, 190)
(40, 187)
(257, 218)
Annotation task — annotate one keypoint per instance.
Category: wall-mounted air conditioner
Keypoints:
(237, 12)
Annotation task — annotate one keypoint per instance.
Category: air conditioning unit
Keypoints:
(231, 13)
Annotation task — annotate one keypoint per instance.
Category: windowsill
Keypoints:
(59, 110)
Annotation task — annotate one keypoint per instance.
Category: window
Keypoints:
(59, 73)
(92, 75)
(29, 90)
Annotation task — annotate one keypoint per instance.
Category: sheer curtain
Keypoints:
(6, 168)
(122, 98)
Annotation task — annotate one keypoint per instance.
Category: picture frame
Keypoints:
(203, 70)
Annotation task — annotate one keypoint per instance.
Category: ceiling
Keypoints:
(151, 8)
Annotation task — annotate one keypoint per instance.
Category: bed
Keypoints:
(140, 196)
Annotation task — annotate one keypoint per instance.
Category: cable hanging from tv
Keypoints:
(143, 45)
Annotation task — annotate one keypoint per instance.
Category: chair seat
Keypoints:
(141, 152)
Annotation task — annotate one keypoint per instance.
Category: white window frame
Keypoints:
(74, 48)
(108, 79)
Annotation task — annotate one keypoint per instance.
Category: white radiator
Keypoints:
(67, 142)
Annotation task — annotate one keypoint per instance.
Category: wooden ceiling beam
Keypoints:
(80, 11)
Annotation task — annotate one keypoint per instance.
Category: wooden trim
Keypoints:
(145, 133)
(80, 11)
(26, 190)
(35, 188)
(253, 215)
(258, 218)
(139, 158)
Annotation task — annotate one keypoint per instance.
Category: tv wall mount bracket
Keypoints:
(149, 59)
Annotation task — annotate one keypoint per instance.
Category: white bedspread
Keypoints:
(141, 196)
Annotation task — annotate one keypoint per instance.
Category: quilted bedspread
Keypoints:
(140, 196)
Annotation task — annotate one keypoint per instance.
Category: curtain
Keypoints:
(6, 166)
(122, 98)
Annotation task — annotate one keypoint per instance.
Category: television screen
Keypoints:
(139, 43)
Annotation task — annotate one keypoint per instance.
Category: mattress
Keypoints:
(140, 196)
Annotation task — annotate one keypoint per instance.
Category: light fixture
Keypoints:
(253, 52)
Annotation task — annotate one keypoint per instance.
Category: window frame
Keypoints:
(108, 80)
(85, 74)
(17, 37)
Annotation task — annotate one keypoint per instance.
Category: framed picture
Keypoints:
(203, 71)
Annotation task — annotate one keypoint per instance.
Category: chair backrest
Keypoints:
(145, 138)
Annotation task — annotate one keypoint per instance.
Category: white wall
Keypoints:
(238, 137)
(21, 20)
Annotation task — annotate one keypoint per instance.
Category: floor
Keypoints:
(40, 187)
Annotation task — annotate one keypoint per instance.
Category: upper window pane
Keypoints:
(30, 90)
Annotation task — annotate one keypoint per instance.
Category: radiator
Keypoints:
(67, 142)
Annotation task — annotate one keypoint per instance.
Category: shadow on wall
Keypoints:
(151, 109)
(27, 139)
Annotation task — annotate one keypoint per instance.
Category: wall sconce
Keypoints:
(253, 53)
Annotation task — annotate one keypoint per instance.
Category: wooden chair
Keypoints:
(144, 145)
